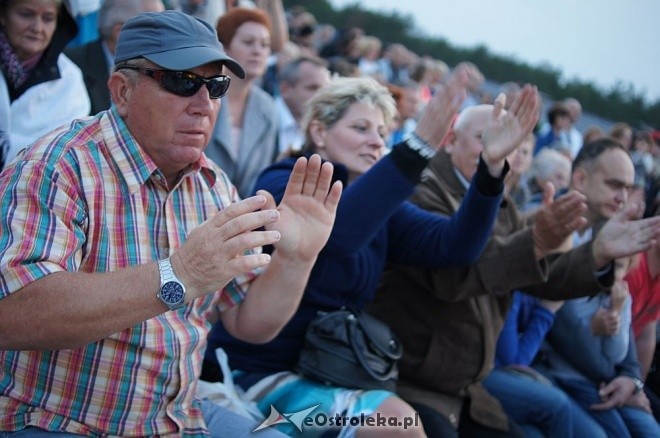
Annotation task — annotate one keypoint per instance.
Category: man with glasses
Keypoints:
(120, 244)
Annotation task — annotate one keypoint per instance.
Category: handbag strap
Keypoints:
(357, 343)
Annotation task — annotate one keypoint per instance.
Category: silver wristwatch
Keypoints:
(639, 385)
(172, 292)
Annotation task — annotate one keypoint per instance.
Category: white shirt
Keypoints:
(289, 134)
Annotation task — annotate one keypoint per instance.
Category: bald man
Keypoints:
(449, 319)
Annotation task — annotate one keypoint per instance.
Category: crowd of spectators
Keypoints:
(515, 255)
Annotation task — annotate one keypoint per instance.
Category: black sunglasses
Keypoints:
(185, 83)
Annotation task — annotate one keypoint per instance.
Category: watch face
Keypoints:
(172, 292)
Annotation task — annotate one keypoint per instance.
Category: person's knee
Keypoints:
(395, 409)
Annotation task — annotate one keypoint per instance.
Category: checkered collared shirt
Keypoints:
(88, 199)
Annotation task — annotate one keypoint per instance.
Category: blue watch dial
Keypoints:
(172, 292)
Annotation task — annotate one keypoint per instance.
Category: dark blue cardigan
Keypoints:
(375, 224)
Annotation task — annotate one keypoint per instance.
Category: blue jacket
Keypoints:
(374, 224)
(524, 330)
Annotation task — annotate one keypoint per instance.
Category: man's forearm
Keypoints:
(68, 310)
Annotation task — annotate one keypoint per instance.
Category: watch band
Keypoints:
(166, 271)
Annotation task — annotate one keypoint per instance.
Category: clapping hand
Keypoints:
(505, 131)
(557, 219)
(605, 322)
(221, 248)
(307, 210)
(439, 113)
(623, 236)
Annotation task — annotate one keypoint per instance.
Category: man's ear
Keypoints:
(448, 142)
(120, 91)
(578, 179)
(317, 132)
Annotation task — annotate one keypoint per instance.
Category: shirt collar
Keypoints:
(133, 163)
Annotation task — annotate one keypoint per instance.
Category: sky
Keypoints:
(598, 41)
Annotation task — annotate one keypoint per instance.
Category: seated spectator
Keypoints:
(97, 58)
(534, 402)
(559, 120)
(343, 46)
(623, 133)
(244, 140)
(298, 81)
(268, 81)
(644, 289)
(642, 156)
(573, 138)
(395, 64)
(549, 166)
(142, 241)
(339, 66)
(368, 48)
(302, 28)
(593, 133)
(346, 123)
(40, 88)
(590, 354)
(449, 319)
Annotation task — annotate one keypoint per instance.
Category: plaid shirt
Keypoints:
(87, 198)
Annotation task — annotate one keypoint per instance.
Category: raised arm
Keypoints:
(307, 213)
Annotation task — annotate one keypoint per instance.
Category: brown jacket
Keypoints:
(449, 319)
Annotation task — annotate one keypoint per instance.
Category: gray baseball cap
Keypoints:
(173, 40)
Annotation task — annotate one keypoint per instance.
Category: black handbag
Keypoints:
(350, 349)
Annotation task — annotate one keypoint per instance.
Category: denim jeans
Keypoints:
(220, 421)
(538, 405)
(621, 422)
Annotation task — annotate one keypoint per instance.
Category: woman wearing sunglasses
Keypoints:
(244, 139)
(40, 88)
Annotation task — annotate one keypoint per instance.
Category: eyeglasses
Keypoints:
(185, 83)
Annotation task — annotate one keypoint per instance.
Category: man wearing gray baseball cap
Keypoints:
(120, 244)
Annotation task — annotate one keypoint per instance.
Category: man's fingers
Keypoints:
(239, 208)
(548, 193)
(498, 106)
(244, 223)
(237, 245)
(270, 201)
(245, 263)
